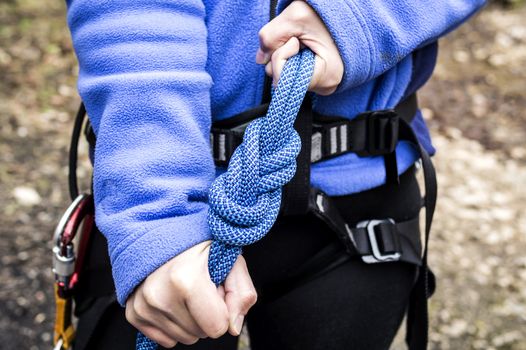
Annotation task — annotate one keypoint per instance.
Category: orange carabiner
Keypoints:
(64, 330)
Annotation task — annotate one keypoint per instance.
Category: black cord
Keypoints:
(73, 152)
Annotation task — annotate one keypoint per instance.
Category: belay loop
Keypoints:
(246, 199)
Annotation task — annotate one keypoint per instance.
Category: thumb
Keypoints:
(240, 295)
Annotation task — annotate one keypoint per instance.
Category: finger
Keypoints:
(158, 336)
(162, 301)
(138, 317)
(325, 78)
(208, 309)
(268, 69)
(150, 317)
(240, 295)
(176, 332)
(281, 55)
(185, 322)
(274, 35)
(162, 329)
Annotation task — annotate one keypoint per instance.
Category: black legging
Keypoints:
(353, 306)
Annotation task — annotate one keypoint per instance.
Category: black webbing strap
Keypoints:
(369, 134)
(356, 242)
(295, 197)
(417, 317)
(395, 241)
(374, 241)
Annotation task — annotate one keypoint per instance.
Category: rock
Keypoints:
(461, 56)
(507, 338)
(456, 328)
(498, 60)
(427, 113)
(26, 196)
(39, 318)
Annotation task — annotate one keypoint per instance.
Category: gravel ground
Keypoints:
(474, 105)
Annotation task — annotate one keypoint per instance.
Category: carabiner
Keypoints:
(64, 267)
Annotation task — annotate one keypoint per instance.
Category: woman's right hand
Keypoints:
(178, 303)
(299, 25)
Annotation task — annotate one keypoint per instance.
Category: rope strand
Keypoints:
(246, 199)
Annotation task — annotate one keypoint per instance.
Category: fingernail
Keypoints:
(261, 57)
(238, 324)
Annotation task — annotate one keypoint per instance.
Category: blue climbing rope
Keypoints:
(245, 200)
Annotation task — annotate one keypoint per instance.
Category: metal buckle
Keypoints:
(377, 256)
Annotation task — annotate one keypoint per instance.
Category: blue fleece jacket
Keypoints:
(154, 74)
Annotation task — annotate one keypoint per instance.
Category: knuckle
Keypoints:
(157, 336)
(219, 329)
(325, 91)
(150, 297)
(189, 340)
(130, 315)
(299, 13)
(264, 37)
(140, 309)
(277, 55)
(167, 343)
(334, 81)
(248, 298)
(182, 286)
(268, 69)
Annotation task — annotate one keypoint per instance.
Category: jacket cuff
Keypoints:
(351, 34)
(154, 248)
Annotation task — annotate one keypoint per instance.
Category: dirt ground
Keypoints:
(475, 106)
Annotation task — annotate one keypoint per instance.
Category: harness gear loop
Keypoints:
(245, 201)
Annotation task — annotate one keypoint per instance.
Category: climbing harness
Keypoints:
(245, 201)
(377, 240)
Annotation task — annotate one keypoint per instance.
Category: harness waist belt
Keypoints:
(369, 134)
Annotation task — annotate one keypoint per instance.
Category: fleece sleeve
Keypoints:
(142, 78)
(373, 36)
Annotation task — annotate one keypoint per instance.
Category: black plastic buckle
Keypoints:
(382, 132)
(224, 142)
(378, 244)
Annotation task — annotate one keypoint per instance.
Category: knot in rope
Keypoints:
(245, 200)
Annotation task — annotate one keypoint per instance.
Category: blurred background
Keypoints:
(476, 108)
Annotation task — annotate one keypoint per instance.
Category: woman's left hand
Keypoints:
(299, 25)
